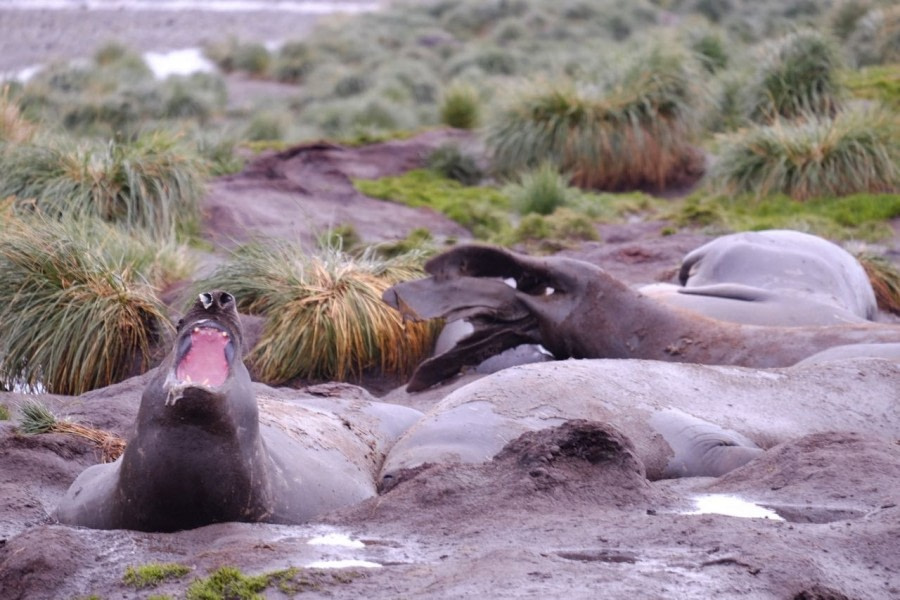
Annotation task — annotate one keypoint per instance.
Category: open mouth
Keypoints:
(204, 356)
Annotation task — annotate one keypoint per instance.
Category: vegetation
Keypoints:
(854, 152)
(482, 210)
(228, 583)
(450, 162)
(878, 83)
(90, 281)
(540, 191)
(460, 107)
(4, 412)
(149, 184)
(153, 574)
(885, 278)
(797, 76)
(859, 216)
(37, 419)
(636, 130)
(325, 319)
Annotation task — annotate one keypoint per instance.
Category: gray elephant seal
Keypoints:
(576, 309)
(683, 419)
(775, 277)
(203, 451)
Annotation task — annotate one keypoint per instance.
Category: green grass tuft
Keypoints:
(228, 583)
(4, 412)
(885, 278)
(797, 76)
(540, 191)
(852, 153)
(878, 83)
(153, 574)
(635, 131)
(460, 107)
(325, 319)
(450, 162)
(149, 184)
(36, 418)
(76, 304)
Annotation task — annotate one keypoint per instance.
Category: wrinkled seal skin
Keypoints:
(683, 419)
(577, 310)
(775, 277)
(201, 454)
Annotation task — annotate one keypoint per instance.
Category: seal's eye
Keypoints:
(225, 299)
(206, 299)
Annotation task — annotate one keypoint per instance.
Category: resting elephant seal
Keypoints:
(775, 277)
(203, 451)
(576, 309)
(683, 419)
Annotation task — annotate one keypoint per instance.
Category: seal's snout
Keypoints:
(216, 300)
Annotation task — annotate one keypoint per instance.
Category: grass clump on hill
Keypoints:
(853, 152)
(540, 191)
(481, 210)
(635, 131)
(797, 76)
(14, 128)
(37, 419)
(153, 574)
(325, 319)
(460, 107)
(77, 308)
(150, 184)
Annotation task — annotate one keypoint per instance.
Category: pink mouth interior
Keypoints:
(204, 363)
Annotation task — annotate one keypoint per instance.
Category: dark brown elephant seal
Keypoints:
(205, 450)
(576, 309)
(775, 277)
(683, 419)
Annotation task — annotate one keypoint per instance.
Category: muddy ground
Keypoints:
(521, 525)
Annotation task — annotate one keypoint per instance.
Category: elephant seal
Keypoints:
(683, 419)
(775, 277)
(576, 309)
(204, 450)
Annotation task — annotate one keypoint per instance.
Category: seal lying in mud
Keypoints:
(683, 419)
(576, 309)
(203, 451)
(775, 277)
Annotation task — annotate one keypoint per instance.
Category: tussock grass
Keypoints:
(540, 191)
(797, 76)
(14, 128)
(38, 419)
(77, 311)
(452, 163)
(635, 131)
(150, 184)
(854, 152)
(876, 37)
(460, 106)
(885, 278)
(325, 319)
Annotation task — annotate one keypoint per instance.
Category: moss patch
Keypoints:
(482, 210)
(860, 216)
(4, 412)
(153, 574)
(229, 583)
(880, 83)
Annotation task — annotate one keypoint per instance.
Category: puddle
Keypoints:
(731, 506)
(343, 564)
(178, 62)
(336, 539)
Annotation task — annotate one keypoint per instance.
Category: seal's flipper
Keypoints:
(487, 340)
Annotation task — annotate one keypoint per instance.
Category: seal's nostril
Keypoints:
(225, 299)
(206, 299)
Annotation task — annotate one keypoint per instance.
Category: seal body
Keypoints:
(683, 419)
(575, 309)
(203, 451)
(775, 277)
